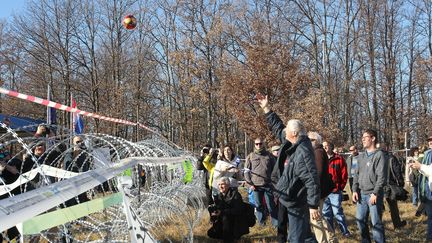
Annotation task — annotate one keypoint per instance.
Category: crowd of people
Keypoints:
(299, 184)
(42, 151)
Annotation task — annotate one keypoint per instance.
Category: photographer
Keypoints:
(77, 161)
(226, 214)
(220, 169)
(200, 166)
(209, 164)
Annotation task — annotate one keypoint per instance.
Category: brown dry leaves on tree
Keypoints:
(270, 70)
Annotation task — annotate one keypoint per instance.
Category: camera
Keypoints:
(215, 153)
(212, 209)
(205, 150)
(44, 130)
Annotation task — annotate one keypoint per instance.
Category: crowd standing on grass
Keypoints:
(300, 183)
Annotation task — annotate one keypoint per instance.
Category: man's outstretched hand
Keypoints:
(263, 102)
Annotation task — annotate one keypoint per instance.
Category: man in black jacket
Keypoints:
(395, 179)
(298, 185)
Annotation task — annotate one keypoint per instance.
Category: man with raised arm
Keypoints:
(298, 183)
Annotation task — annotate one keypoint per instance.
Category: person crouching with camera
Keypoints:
(226, 213)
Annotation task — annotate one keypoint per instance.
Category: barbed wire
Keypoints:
(158, 194)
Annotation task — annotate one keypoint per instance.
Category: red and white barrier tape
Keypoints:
(58, 106)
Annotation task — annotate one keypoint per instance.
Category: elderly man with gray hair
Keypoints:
(298, 184)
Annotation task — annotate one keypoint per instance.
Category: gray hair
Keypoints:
(224, 180)
(316, 136)
(296, 126)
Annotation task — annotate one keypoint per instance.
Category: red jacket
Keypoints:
(338, 169)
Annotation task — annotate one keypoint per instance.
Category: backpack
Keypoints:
(396, 170)
(397, 192)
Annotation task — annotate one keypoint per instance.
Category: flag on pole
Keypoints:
(77, 121)
(51, 111)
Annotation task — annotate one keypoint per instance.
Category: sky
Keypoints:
(9, 7)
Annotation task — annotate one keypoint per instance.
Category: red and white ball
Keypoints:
(129, 22)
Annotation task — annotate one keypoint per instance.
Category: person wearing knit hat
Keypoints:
(275, 150)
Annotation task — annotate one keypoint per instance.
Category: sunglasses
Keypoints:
(78, 142)
(258, 143)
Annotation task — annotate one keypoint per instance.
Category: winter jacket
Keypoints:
(232, 207)
(326, 182)
(338, 170)
(298, 184)
(259, 167)
(200, 166)
(371, 174)
(425, 179)
(217, 171)
(396, 172)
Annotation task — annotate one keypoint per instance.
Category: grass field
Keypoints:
(414, 231)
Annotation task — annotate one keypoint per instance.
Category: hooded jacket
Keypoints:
(298, 184)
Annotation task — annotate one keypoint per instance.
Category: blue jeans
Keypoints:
(428, 207)
(364, 208)
(261, 193)
(333, 208)
(299, 229)
(415, 195)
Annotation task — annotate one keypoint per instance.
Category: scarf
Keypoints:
(260, 151)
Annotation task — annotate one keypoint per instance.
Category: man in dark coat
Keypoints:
(395, 179)
(298, 185)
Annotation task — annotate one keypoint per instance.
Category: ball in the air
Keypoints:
(129, 22)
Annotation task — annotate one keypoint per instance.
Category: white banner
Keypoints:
(28, 176)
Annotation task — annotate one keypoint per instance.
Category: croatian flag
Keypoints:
(77, 121)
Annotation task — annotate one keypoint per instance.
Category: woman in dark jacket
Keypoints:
(226, 214)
